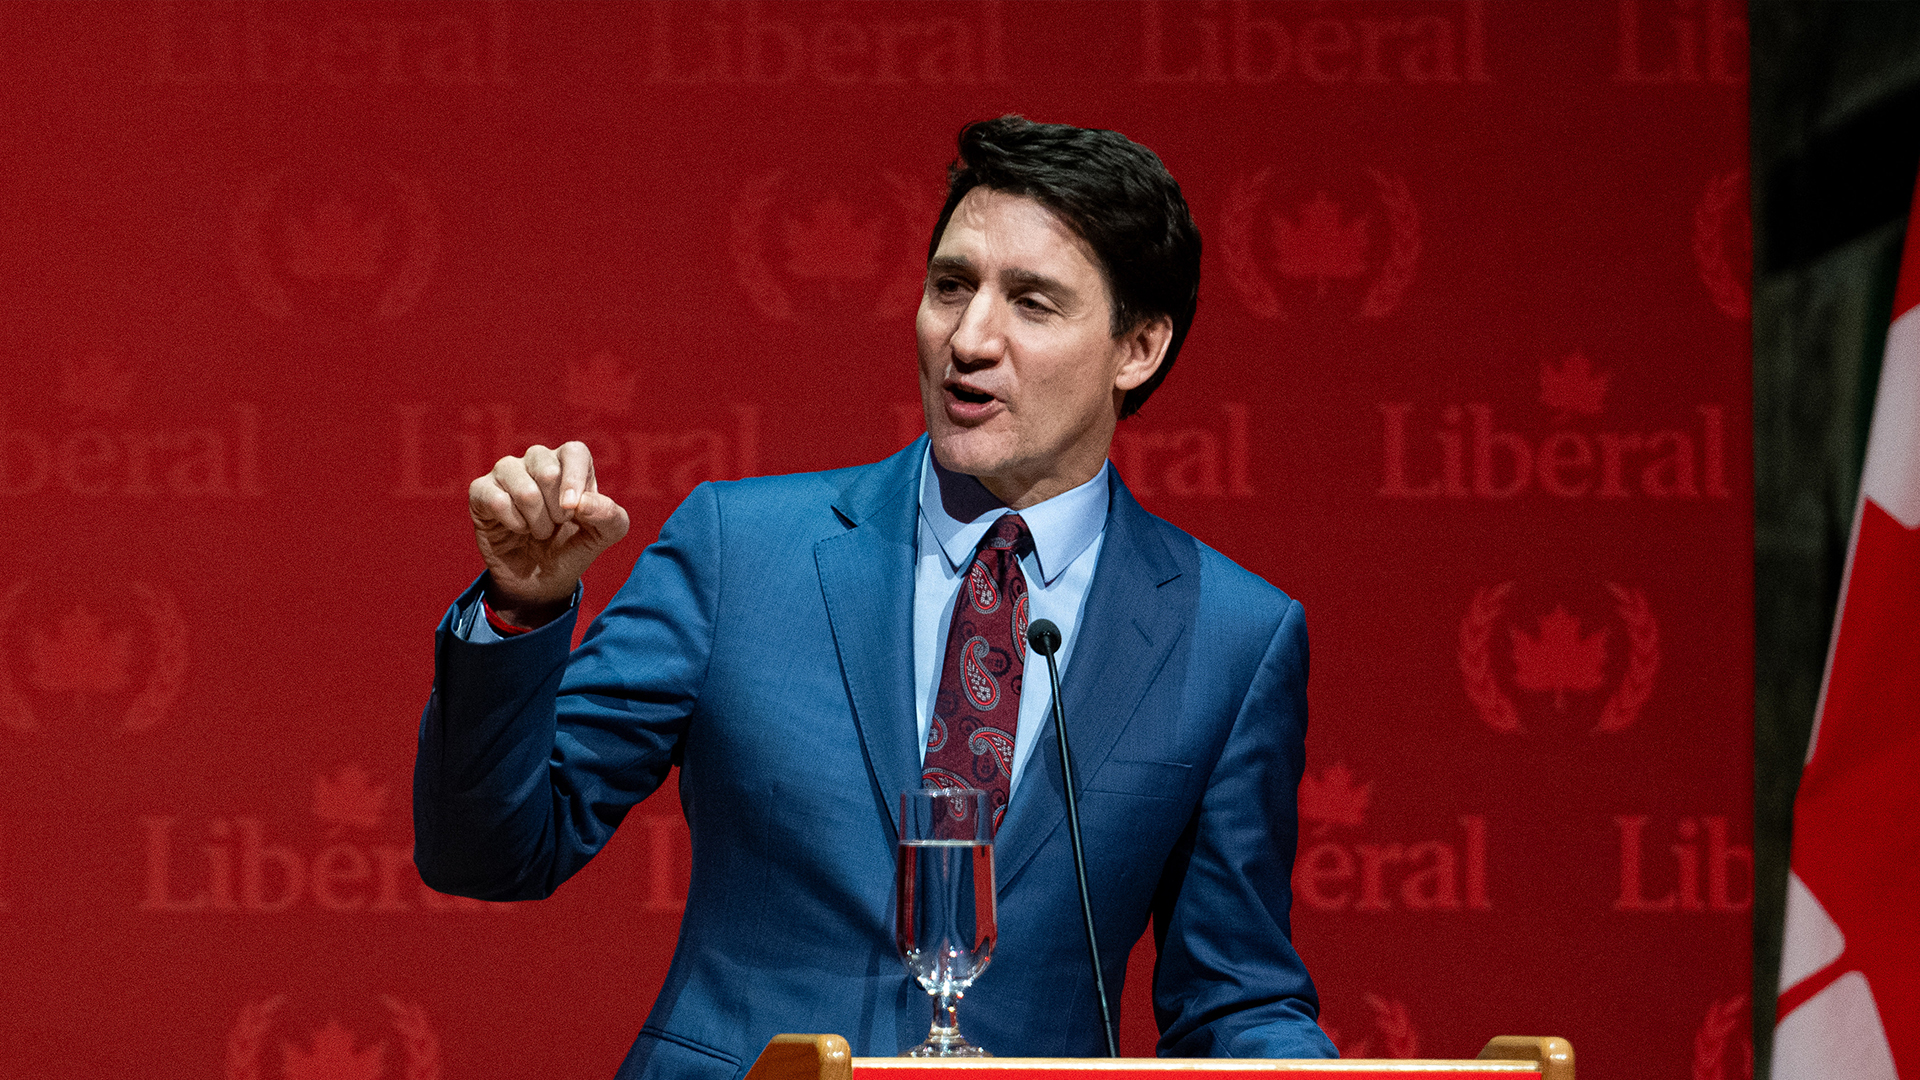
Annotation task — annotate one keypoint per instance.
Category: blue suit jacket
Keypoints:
(764, 644)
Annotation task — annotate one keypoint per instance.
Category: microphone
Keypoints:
(1045, 639)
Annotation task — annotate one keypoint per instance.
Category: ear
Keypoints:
(1141, 349)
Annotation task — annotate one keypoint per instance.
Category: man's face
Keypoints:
(1020, 375)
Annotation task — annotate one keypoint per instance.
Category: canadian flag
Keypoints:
(1850, 966)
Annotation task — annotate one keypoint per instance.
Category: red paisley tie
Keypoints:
(977, 711)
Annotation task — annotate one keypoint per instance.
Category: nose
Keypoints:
(979, 339)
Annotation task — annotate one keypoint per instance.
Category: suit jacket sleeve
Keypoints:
(529, 757)
(1228, 982)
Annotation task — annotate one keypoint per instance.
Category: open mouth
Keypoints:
(971, 397)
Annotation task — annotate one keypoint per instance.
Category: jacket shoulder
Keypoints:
(829, 499)
(1231, 579)
(1230, 595)
(1192, 555)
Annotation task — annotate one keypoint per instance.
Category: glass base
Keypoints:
(943, 1044)
(943, 1035)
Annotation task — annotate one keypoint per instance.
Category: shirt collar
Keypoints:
(960, 510)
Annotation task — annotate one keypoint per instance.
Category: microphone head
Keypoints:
(1043, 636)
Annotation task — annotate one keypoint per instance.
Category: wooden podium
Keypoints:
(827, 1057)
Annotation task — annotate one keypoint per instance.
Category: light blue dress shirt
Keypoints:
(955, 512)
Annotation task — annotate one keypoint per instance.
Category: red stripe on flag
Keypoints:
(1803, 991)
(1855, 843)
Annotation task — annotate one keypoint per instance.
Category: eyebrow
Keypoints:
(1042, 282)
(949, 264)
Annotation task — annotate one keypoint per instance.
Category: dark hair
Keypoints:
(1113, 193)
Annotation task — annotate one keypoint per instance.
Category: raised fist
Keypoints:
(540, 521)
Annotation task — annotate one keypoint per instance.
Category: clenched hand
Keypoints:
(540, 521)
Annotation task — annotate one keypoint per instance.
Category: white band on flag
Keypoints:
(1835, 1035)
(1892, 474)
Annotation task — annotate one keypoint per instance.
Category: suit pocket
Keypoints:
(661, 1055)
(1145, 779)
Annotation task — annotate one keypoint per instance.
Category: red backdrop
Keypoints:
(1470, 378)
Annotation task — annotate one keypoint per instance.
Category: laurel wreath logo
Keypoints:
(261, 281)
(249, 1036)
(1256, 292)
(1393, 1022)
(920, 208)
(1395, 1026)
(768, 293)
(164, 681)
(1236, 245)
(417, 1040)
(169, 660)
(1724, 195)
(1403, 252)
(1643, 662)
(1498, 711)
(1710, 1042)
(750, 269)
(246, 1042)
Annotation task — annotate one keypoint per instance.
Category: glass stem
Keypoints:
(946, 1022)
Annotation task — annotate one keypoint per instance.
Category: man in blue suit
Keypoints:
(795, 644)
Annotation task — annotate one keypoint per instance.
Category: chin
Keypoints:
(963, 451)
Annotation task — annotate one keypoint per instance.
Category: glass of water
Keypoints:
(944, 920)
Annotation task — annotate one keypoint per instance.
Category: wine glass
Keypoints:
(944, 918)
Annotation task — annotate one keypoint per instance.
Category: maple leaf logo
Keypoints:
(1332, 798)
(1559, 658)
(95, 382)
(348, 797)
(1321, 245)
(80, 656)
(1573, 388)
(832, 244)
(602, 384)
(332, 1056)
(335, 245)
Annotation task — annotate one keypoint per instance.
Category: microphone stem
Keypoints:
(1079, 856)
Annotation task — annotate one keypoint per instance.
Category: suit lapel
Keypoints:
(1138, 605)
(866, 576)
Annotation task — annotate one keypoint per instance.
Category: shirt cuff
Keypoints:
(479, 624)
(498, 623)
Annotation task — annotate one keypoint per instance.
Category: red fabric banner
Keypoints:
(1470, 378)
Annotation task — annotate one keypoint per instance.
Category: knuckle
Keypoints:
(495, 506)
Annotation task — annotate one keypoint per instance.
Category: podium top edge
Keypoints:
(1198, 1065)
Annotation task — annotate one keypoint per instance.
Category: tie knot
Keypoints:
(1008, 533)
